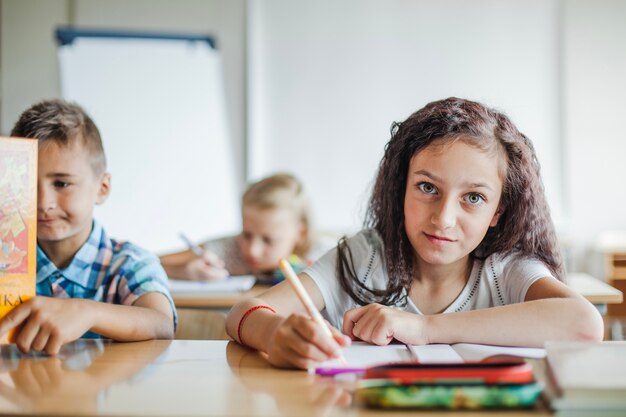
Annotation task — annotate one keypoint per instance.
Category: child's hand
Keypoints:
(378, 324)
(209, 267)
(300, 342)
(46, 324)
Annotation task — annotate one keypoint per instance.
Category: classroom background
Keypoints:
(312, 86)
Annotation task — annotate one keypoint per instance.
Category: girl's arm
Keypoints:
(289, 336)
(551, 311)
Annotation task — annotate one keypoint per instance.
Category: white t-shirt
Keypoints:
(497, 280)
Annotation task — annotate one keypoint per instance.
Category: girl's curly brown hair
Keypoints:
(524, 227)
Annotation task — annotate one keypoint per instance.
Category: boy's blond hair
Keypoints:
(65, 124)
(282, 191)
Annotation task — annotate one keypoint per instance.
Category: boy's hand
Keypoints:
(46, 324)
(378, 324)
(208, 267)
(300, 342)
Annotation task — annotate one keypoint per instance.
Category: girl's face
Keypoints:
(267, 236)
(452, 196)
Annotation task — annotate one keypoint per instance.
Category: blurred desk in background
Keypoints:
(593, 289)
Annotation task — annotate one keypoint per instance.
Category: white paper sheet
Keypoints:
(229, 285)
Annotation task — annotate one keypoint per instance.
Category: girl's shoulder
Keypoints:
(223, 247)
(514, 263)
(366, 241)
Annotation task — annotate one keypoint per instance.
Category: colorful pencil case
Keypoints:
(450, 396)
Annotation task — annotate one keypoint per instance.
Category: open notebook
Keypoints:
(234, 284)
(361, 355)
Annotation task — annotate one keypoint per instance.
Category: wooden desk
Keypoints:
(173, 378)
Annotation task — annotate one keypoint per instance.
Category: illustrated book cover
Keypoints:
(18, 222)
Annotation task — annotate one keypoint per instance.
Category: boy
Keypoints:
(86, 282)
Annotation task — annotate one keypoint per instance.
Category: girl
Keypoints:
(459, 247)
(276, 224)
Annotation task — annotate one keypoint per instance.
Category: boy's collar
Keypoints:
(80, 268)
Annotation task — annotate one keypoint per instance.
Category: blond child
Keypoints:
(276, 223)
(88, 285)
(459, 246)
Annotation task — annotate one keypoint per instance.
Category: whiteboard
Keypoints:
(159, 103)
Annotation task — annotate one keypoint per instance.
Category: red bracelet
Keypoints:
(250, 310)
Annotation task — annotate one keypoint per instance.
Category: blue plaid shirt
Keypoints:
(106, 270)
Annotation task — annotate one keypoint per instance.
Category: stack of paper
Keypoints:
(234, 284)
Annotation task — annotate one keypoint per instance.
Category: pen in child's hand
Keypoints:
(197, 250)
(306, 301)
(210, 258)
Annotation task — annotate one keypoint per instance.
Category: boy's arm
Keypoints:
(150, 317)
(46, 324)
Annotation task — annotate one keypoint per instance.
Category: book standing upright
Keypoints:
(18, 222)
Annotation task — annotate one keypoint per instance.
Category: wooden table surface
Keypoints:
(174, 378)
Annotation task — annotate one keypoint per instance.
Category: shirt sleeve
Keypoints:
(142, 275)
(519, 273)
(323, 273)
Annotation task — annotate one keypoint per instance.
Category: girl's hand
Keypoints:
(45, 323)
(378, 324)
(300, 342)
(209, 267)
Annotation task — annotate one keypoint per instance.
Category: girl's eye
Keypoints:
(61, 184)
(474, 199)
(268, 241)
(427, 188)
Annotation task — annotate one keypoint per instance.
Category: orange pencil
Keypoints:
(304, 297)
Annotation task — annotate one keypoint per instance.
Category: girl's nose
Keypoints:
(444, 215)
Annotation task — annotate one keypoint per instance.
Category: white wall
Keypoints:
(595, 111)
(331, 70)
(28, 55)
(327, 79)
